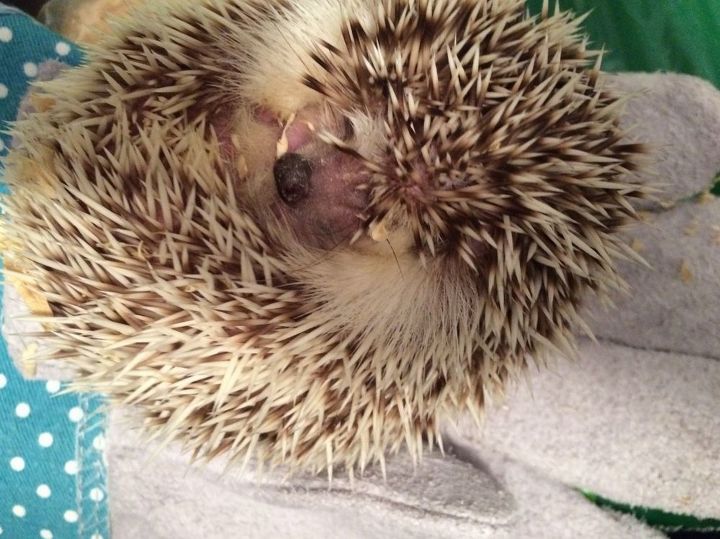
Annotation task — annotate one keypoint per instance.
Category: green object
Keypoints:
(653, 35)
(715, 190)
(656, 517)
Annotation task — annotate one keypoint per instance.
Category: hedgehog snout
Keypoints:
(293, 174)
(318, 196)
(316, 185)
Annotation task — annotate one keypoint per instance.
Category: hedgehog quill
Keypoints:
(304, 232)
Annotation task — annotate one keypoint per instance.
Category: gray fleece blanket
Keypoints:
(634, 418)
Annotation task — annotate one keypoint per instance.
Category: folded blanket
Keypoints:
(463, 494)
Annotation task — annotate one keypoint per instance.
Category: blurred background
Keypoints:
(653, 35)
(31, 6)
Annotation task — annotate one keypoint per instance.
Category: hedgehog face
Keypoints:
(306, 231)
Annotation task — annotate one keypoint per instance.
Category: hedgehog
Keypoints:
(308, 232)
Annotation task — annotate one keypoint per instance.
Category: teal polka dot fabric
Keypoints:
(53, 481)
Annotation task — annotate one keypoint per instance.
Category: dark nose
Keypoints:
(292, 177)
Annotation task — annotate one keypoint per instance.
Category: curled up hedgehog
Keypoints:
(306, 231)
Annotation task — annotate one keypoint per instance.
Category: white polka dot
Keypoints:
(62, 48)
(70, 516)
(96, 536)
(45, 439)
(53, 386)
(30, 69)
(46, 534)
(1, 530)
(17, 464)
(19, 511)
(22, 410)
(3, 91)
(75, 414)
(97, 495)
(43, 491)
(3, 378)
(99, 442)
(5, 34)
(71, 467)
